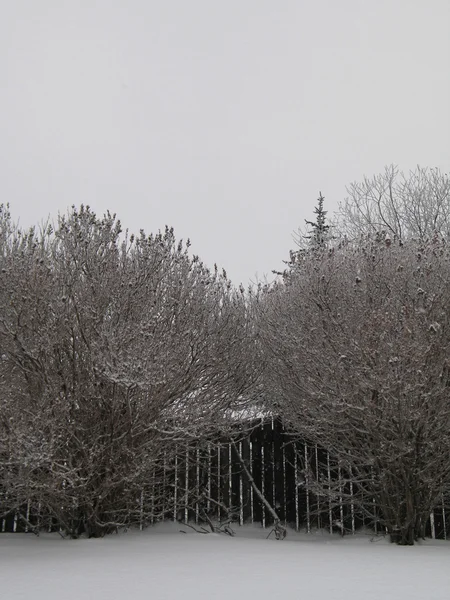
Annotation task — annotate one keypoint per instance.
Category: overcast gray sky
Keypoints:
(221, 118)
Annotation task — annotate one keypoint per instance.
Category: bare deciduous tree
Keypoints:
(414, 205)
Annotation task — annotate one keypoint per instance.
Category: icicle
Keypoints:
(251, 488)
(186, 487)
(241, 492)
(308, 513)
(296, 491)
(330, 506)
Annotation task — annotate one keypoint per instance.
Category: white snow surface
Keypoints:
(163, 564)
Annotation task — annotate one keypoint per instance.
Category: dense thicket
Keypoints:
(357, 344)
(114, 349)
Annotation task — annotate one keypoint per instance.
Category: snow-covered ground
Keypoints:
(163, 564)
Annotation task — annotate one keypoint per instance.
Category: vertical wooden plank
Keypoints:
(352, 505)
(308, 510)
(263, 469)
(197, 482)
(4, 521)
(444, 517)
(263, 487)
(432, 525)
(219, 481)
(330, 506)
(274, 483)
(27, 516)
(141, 511)
(164, 485)
(186, 486)
(375, 519)
(252, 514)
(153, 495)
(296, 491)
(208, 483)
(230, 479)
(284, 486)
(319, 515)
(274, 489)
(341, 504)
(38, 517)
(175, 487)
(241, 492)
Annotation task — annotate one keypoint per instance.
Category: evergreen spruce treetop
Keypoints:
(317, 237)
(319, 233)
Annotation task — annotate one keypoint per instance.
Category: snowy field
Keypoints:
(164, 564)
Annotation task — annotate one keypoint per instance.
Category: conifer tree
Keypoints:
(317, 237)
(320, 230)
